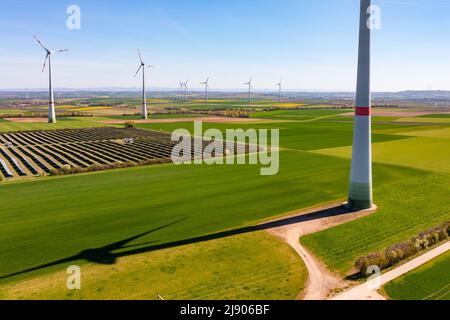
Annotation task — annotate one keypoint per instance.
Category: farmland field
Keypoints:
(406, 207)
(97, 210)
(62, 123)
(218, 269)
(168, 207)
(420, 153)
(445, 115)
(308, 114)
(398, 218)
(429, 282)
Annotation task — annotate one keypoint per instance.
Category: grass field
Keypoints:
(424, 120)
(293, 135)
(432, 133)
(422, 153)
(301, 115)
(170, 203)
(429, 282)
(444, 115)
(223, 270)
(410, 205)
(406, 207)
(4, 111)
(97, 210)
(62, 123)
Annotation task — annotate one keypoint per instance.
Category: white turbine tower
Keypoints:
(206, 89)
(279, 90)
(144, 94)
(51, 101)
(360, 195)
(249, 84)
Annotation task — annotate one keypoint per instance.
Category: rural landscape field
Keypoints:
(166, 227)
(95, 205)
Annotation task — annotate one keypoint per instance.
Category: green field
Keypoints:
(422, 153)
(299, 115)
(406, 207)
(167, 203)
(444, 115)
(431, 133)
(410, 205)
(429, 282)
(293, 135)
(62, 123)
(96, 209)
(222, 267)
(4, 111)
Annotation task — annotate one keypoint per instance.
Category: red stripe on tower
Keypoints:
(363, 111)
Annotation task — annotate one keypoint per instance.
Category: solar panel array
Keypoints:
(34, 153)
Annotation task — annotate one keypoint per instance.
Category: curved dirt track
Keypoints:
(320, 280)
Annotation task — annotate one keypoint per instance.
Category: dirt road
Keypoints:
(320, 280)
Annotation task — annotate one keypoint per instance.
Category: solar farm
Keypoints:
(38, 153)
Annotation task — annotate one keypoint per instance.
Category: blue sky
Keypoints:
(310, 44)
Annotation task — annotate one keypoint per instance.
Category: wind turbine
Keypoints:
(185, 90)
(144, 94)
(206, 89)
(249, 89)
(279, 90)
(180, 91)
(51, 101)
(360, 195)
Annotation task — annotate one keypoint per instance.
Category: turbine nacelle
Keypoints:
(206, 83)
(249, 83)
(49, 53)
(142, 65)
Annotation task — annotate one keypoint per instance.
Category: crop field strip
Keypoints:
(34, 153)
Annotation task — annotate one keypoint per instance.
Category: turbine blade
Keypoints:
(40, 43)
(45, 61)
(140, 56)
(62, 50)
(140, 67)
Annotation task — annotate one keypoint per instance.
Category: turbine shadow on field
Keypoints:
(102, 255)
(325, 213)
(105, 254)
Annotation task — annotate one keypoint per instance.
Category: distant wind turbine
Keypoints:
(279, 90)
(180, 91)
(249, 89)
(51, 101)
(144, 94)
(185, 90)
(206, 89)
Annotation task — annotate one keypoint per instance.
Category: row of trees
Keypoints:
(401, 251)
